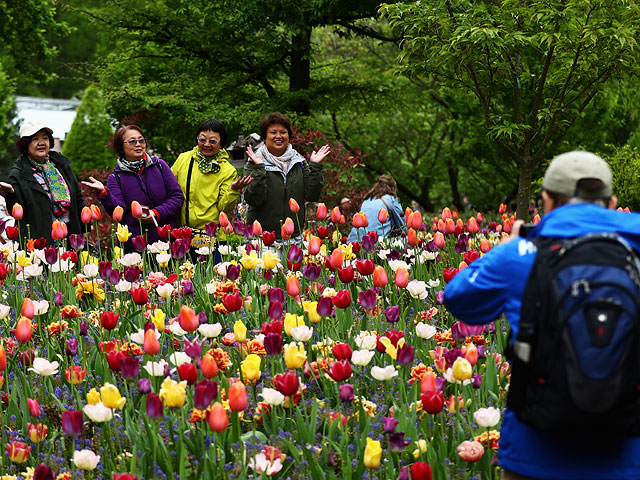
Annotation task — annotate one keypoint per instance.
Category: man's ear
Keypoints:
(613, 203)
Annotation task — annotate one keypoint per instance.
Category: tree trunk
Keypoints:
(452, 170)
(525, 170)
(300, 74)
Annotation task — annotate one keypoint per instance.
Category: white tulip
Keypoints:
(90, 270)
(386, 373)
(44, 367)
(98, 413)
(417, 289)
(165, 290)
(210, 331)
(85, 459)
(155, 369)
(362, 357)
(272, 396)
(425, 331)
(301, 333)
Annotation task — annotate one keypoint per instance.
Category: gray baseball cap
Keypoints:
(566, 170)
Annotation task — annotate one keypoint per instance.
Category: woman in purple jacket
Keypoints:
(141, 177)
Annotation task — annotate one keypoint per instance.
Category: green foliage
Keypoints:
(86, 142)
(625, 166)
(7, 127)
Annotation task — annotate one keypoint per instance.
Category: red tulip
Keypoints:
(188, 319)
(365, 267)
(420, 471)
(232, 302)
(415, 220)
(217, 418)
(237, 397)
(256, 228)
(24, 330)
(17, 211)
(506, 226)
(449, 273)
(342, 351)
(360, 220)
(346, 274)
(188, 372)
(402, 277)
(85, 215)
(151, 343)
(136, 209)
(37, 433)
(109, 320)
(117, 214)
(268, 238)
(293, 205)
(472, 225)
(321, 211)
(380, 276)
(383, 215)
(335, 260)
(323, 232)
(28, 309)
(342, 299)
(335, 215)
(113, 359)
(293, 286)
(428, 382)
(315, 243)
(340, 370)
(432, 402)
(12, 232)
(72, 422)
(3, 271)
(3, 358)
(223, 220)
(96, 214)
(502, 208)
(140, 296)
(34, 407)
(209, 366)
(18, 451)
(287, 383)
(125, 476)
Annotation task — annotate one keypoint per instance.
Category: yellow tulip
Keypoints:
(24, 260)
(172, 393)
(270, 260)
(250, 261)
(123, 233)
(422, 448)
(311, 309)
(111, 397)
(117, 253)
(251, 369)
(294, 355)
(158, 319)
(462, 369)
(240, 331)
(372, 453)
(93, 397)
(292, 321)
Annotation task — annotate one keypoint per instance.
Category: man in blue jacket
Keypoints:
(577, 196)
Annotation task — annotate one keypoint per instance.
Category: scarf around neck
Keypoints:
(211, 164)
(58, 189)
(283, 161)
(134, 167)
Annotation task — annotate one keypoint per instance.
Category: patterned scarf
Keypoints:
(208, 164)
(54, 185)
(281, 162)
(133, 167)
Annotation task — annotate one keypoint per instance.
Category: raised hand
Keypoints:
(95, 184)
(317, 157)
(240, 183)
(5, 188)
(254, 158)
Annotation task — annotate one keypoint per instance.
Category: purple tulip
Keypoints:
(71, 347)
(404, 473)
(202, 317)
(295, 254)
(273, 343)
(193, 349)
(211, 228)
(405, 355)
(392, 313)
(390, 424)
(180, 247)
(267, 275)
(476, 380)
(205, 392)
(187, 288)
(58, 300)
(368, 242)
(114, 276)
(331, 281)
(397, 443)
(441, 383)
(462, 244)
(51, 255)
(461, 330)
(129, 367)
(275, 310)
(76, 241)
(83, 328)
(325, 307)
(440, 297)
(312, 271)
(346, 393)
(367, 299)
(72, 422)
(233, 272)
(132, 274)
(239, 228)
(154, 406)
(139, 243)
(275, 295)
(43, 472)
(144, 385)
(104, 269)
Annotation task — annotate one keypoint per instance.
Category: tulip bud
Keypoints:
(208, 365)
(439, 240)
(293, 286)
(117, 214)
(188, 319)
(415, 220)
(24, 330)
(412, 237)
(336, 258)
(288, 227)
(315, 243)
(383, 215)
(256, 228)
(28, 308)
(223, 220)
(96, 214)
(402, 277)
(17, 211)
(293, 205)
(217, 418)
(335, 215)
(58, 230)
(360, 220)
(237, 397)
(380, 276)
(321, 211)
(151, 343)
(136, 209)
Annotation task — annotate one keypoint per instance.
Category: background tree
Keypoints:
(533, 66)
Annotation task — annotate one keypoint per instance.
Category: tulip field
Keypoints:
(323, 359)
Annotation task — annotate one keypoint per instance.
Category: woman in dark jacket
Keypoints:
(43, 182)
(279, 173)
(141, 177)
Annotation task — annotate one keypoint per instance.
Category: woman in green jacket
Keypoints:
(210, 183)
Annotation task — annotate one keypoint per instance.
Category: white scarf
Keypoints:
(281, 162)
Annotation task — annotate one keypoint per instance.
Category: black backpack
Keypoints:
(576, 357)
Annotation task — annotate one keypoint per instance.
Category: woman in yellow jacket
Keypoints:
(210, 183)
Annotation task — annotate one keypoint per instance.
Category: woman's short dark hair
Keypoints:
(22, 144)
(117, 141)
(214, 125)
(273, 119)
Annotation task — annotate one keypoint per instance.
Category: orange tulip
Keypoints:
(446, 213)
(402, 277)
(462, 265)
(479, 217)
(208, 365)
(536, 219)
(321, 211)
(136, 209)
(412, 237)
(24, 330)
(217, 418)
(360, 220)
(442, 227)
(287, 227)
(472, 225)
(428, 383)
(459, 223)
(3, 359)
(485, 246)
(188, 319)
(17, 211)
(506, 226)
(407, 213)
(257, 228)
(383, 215)
(85, 215)
(28, 309)
(470, 352)
(415, 221)
(336, 258)
(293, 286)
(449, 226)
(96, 214)
(223, 219)
(335, 215)
(314, 245)
(151, 343)
(237, 397)
(58, 230)
(439, 240)
(379, 276)
(502, 208)
(117, 214)
(293, 205)
(343, 220)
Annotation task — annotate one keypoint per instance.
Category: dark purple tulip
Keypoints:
(367, 299)
(239, 228)
(104, 269)
(187, 288)
(481, 350)
(476, 380)
(132, 274)
(249, 247)
(441, 383)
(394, 255)
(154, 406)
(392, 313)
(167, 370)
(405, 355)
(273, 343)
(76, 241)
(462, 244)
(42, 472)
(367, 242)
(461, 330)
(275, 295)
(149, 326)
(267, 275)
(325, 307)
(275, 310)
(346, 393)
(129, 367)
(451, 355)
(390, 424)
(72, 422)
(233, 272)
(179, 248)
(193, 349)
(211, 228)
(139, 243)
(144, 385)
(397, 443)
(202, 318)
(404, 473)
(114, 276)
(295, 254)
(71, 347)
(51, 255)
(331, 281)
(205, 392)
(83, 328)
(312, 271)
(58, 300)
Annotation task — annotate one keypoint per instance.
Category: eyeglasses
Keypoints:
(211, 141)
(136, 141)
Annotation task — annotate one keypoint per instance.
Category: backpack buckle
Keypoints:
(522, 350)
